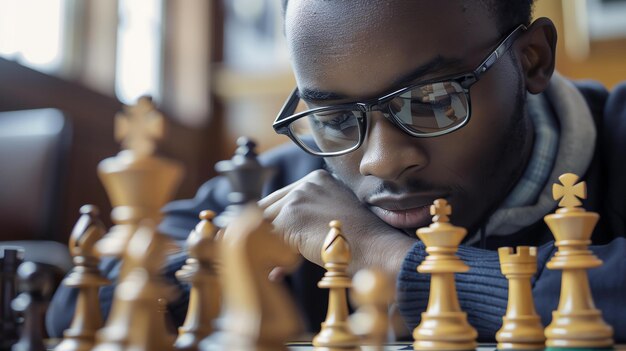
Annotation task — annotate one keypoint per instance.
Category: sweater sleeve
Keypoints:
(483, 290)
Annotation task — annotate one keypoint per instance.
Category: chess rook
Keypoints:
(138, 183)
(576, 323)
(521, 327)
(86, 277)
(444, 326)
(200, 271)
(335, 333)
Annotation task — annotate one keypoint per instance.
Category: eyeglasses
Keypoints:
(422, 110)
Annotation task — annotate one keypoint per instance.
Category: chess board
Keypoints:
(388, 347)
(409, 346)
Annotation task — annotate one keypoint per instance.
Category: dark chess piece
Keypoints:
(246, 177)
(35, 284)
(11, 259)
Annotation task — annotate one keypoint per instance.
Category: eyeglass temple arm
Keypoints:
(504, 46)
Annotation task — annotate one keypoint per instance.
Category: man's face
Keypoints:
(360, 50)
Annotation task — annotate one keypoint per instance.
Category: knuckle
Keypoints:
(298, 196)
(320, 174)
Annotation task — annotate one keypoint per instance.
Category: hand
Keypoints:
(301, 212)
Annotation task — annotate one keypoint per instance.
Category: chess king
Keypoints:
(399, 103)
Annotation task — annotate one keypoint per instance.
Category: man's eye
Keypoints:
(335, 120)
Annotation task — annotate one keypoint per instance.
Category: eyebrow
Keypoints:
(437, 64)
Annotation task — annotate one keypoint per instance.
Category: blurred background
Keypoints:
(217, 69)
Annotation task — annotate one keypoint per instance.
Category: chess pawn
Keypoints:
(135, 322)
(371, 292)
(86, 277)
(36, 285)
(12, 257)
(576, 323)
(521, 327)
(444, 326)
(335, 333)
(138, 183)
(200, 271)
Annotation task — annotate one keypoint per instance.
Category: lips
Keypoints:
(405, 212)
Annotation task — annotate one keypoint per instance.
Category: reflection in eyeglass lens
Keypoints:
(431, 107)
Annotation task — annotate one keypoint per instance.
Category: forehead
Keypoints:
(335, 45)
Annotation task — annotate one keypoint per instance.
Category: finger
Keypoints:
(277, 195)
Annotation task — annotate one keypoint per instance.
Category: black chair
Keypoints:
(34, 145)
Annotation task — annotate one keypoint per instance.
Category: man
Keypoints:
(418, 100)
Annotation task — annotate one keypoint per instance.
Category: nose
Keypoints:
(388, 151)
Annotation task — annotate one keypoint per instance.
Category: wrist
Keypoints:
(396, 248)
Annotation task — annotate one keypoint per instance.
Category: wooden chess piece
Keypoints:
(36, 286)
(200, 271)
(86, 277)
(137, 182)
(372, 291)
(335, 333)
(135, 322)
(246, 177)
(521, 328)
(258, 314)
(444, 326)
(169, 330)
(576, 323)
(12, 257)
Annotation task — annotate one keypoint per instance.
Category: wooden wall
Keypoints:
(91, 117)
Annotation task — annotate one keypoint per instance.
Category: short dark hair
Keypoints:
(508, 13)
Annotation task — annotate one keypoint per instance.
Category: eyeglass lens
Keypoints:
(423, 110)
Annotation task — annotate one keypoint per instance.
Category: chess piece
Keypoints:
(12, 257)
(444, 326)
(135, 322)
(36, 286)
(86, 277)
(137, 182)
(521, 328)
(200, 271)
(335, 333)
(372, 291)
(246, 177)
(162, 308)
(258, 314)
(576, 323)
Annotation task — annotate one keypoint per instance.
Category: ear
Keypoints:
(537, 50)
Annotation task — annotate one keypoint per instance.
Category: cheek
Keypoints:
(472, 151)
(346, 168)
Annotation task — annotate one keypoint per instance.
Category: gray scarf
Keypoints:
(575, 152)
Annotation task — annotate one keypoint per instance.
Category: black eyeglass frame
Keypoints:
(466, 80)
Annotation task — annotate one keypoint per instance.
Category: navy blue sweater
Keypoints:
(483, 290)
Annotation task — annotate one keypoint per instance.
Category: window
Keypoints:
(139, 50)
(32, 32)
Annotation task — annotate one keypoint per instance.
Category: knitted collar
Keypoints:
(531, 198)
